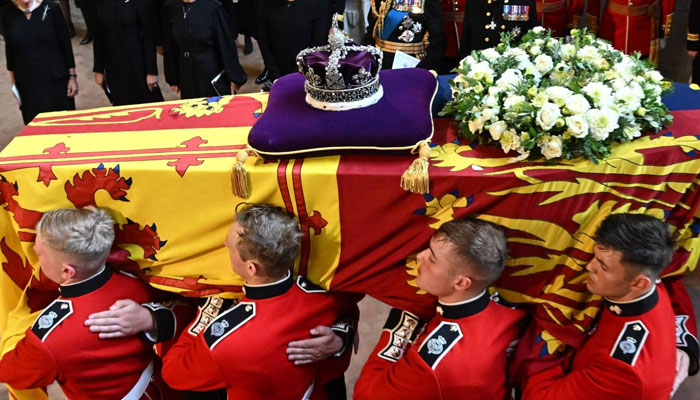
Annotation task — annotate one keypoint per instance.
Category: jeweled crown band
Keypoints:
(344, 95)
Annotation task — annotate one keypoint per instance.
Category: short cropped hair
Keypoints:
(84, 235)
(481, 244)
(270, 235)
(644, 241)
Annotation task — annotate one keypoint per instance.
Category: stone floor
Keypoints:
(675, 64)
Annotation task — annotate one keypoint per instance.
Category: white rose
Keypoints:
(552, 149)
(510, 140)
(544, 63)
(476, 125)
(601, 122)
(491, 101)
(535, 50)
(494, 90)
(567, 51)
(577, 126)
(558, 94)
(509, 79)
(538, 29)
(654, 75)
(588, 53)
(467, 61)
(599, 93)
(490, 54)
(512, 101)
(547, 116)
(577, 104)
(481, 72)
(489, 113)
(497, 129)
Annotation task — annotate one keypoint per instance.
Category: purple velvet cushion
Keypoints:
(399, 121)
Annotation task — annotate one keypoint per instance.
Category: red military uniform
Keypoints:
(633, 25)
(631, 355)
(58, 347)
(244, 347)
(554, 15)
(462, 355)
(452, 19)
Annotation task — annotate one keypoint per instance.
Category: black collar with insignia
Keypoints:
(259, 292)
(86, 286)
(635, 307)
(465, 308)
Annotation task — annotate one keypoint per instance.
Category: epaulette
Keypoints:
(630, 342)
(308, 286)
(52, 317)
(439, 342)
(228, 322)
(403, 328)
(208, 312)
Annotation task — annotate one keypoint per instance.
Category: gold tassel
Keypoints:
(239, 177)
(415, 179)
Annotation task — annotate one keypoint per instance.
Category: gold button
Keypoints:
(503, 27)
(486, 39)
(488, 14)
(486, 27)
(505, 1)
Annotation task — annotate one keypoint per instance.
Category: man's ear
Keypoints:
(463, 283)
(67, 271)
(254, 268)
(641, 283)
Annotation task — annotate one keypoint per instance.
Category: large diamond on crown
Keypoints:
(341, 75)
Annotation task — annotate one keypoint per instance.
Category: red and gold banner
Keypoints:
(164, 172)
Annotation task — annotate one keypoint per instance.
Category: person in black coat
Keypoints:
(39, 57)
(125, 51)
(89, 10)
(286, 28)
(484, 21)
(198, 45)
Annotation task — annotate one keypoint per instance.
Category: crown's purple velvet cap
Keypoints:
(401, 118)
(349, 66)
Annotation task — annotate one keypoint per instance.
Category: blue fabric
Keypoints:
(682, 98)
(391, 22)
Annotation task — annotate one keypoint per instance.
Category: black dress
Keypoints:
(198, 45)
(125, 49)
(288, 27)
(39, 53)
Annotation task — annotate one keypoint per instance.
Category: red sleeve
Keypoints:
(28, 365)
(686, 326)
(409, 377)
(575, 13)
(189, 365)
(603, 380)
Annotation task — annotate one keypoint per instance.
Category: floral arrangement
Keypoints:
(555, 99)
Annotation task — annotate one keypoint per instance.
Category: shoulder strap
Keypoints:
(630, 342)
(228, 322)
(52, 317)
(439, 342)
